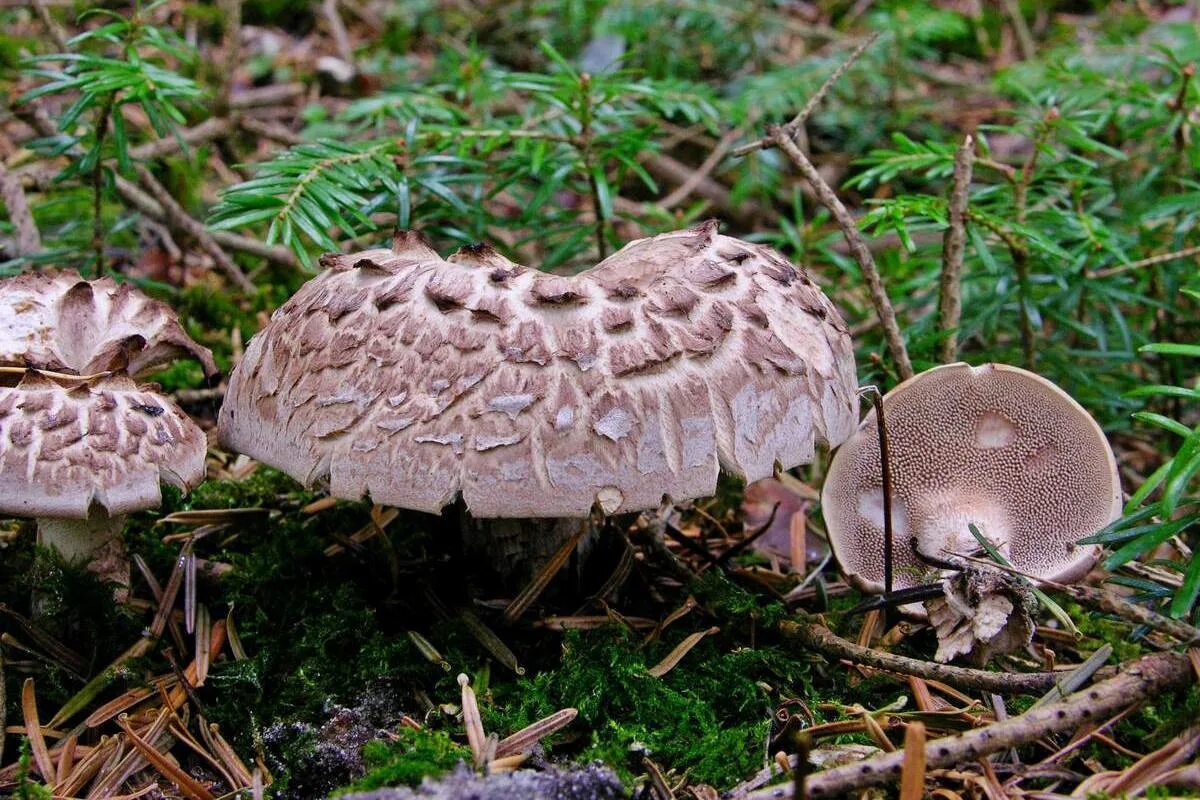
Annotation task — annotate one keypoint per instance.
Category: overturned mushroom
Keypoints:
(78, 455)
(415, 380)
(81, 444)
(992, 446)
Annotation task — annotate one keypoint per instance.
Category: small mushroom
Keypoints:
(78, 455)
(417, 380)
(994, 446)
(82, 444)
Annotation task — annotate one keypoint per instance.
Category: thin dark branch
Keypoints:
(794, 125)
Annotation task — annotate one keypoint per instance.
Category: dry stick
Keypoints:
(953, 248)
(685, 189)
(182, 222)
(147, 205)
(1140, 680)
(330, 9)
(212, 128)
(1021, 28)
(797, 121)
(1149, 261)
(52, 27)
(817, 637)
(28, 240)
(858, 247)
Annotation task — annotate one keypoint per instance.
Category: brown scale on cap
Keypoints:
(59, 322)
(993, 445)
(536, 395)
(106, 442)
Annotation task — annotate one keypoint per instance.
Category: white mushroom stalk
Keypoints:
(417, 380)
(991, 446)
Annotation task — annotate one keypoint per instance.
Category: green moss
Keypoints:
(408, 759)
(709, 715)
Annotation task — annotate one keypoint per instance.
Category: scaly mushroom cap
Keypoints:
(107, 441)
(993, 445)
(57, 321)
(411, 378)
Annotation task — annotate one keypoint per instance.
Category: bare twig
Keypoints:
(1021, 28)
(1149, 261)
(271, 95)
(57, 34)
(862, 254)
(212, 128)
(828, 643)
(330, 9)
(28, 240)
(685, 189)
(953, 247)
(181, 222)
(144, 203)
(1132, 684)
(794, 125)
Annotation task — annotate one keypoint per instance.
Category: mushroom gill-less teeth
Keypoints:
(60, 322)
(994, 446)
(79, 455)
(413, 379)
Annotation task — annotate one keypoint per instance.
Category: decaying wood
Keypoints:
(828, 643)
(1134, 683)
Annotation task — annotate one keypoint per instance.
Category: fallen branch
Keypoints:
(828, 643)
(858, 247)
(1135, 683)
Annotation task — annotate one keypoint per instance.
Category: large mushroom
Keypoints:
(81, 443)
(415, 380)
(993, 446)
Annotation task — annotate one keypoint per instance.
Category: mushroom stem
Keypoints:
(95, 541)
(517, 549)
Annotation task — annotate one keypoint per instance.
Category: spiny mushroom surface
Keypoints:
(60, 322)
(994, 446)
(413, 379)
